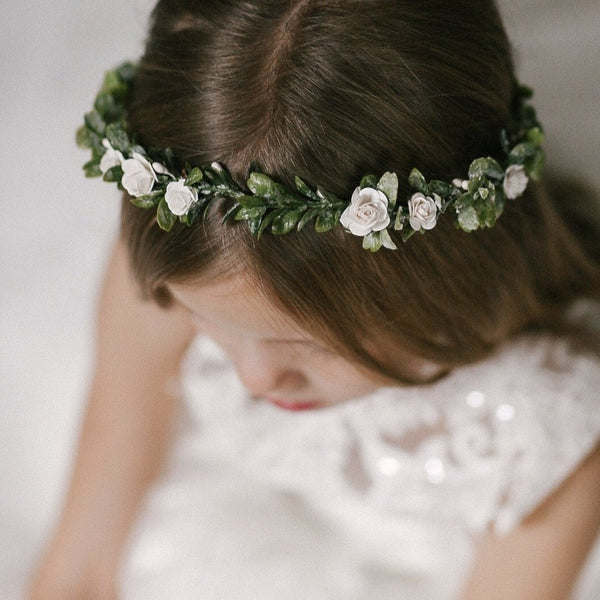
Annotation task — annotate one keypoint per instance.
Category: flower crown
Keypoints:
(153, 180)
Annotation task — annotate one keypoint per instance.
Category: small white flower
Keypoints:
(515, 181)
(180, 197)
(422, 212)
(138, 176)
(111, 158)
(461, 183)
(367, 212)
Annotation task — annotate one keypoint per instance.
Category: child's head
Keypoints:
(329, 91)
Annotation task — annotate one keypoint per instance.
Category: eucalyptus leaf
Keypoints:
(266, 221)
(441, 188)
(114, 174)
(164, 217)
(285, 222)
(519, 154)
(486, 167)
(92, 169)
(260, 184)
(82, 138)
(399, 220)
(368, 181)
(126, 71)
(194, 177)
(246, 214)
(324, 221)
(95, 122)
(112, 82)
(388, 184)
(407, 234)
(386, 240)
(535, 164)
(304, 189)
(310, 214)
(116, 136)
(535, 136)
(417, 182)
(468, 220)
(251, 201)
(147, 201)
(372, 241)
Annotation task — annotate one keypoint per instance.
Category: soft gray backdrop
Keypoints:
(56, 227)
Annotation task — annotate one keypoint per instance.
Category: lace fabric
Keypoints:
(483, 446)
(407, 478)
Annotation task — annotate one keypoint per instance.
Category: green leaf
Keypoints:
(164, 217)
(400, 220)
(441, 188)
(247, 214)
(325, 221)
(304, 189)
(368, 181)
(82, 138)
(388, 184)
(417, 182)
(535, 164)
(308, 215)
(92, 169)
(266, 221)
(114, 174)
(285, 222)
(126, 71)
(486, 167)
(468, 220)
(95, 122)
(261, 185)
(112, 83)
(486, 213)
(519, 154)
(251, 201)
(147, 201)
(407, 234)
(372, 241)
(535, 136)
(386, 240)
(116, 136)
(194, 177)
(107, 107)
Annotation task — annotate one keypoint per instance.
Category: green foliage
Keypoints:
(164, 217)
(388, 184)
(265, 204)
(417, 181)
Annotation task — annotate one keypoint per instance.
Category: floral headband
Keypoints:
(153, 180)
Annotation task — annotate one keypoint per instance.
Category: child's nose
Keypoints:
(268, 373)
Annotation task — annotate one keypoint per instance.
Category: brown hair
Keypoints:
(331, 90)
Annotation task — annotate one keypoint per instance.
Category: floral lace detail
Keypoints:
(481, 448)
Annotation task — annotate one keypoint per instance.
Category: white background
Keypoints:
(56, 227)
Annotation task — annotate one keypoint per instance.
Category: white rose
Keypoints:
(367, 212)
(138, 175)
(180, 197)
(422, 211)
(515, 181)
(111, 158)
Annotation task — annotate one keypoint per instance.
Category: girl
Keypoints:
(375, 422)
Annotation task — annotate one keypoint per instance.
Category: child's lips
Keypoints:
(295, 405)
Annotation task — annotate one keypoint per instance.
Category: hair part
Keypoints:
(330, 90)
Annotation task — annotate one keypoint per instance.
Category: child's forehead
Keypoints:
(236, 303)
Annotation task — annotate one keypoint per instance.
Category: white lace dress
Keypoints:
(380, 498)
